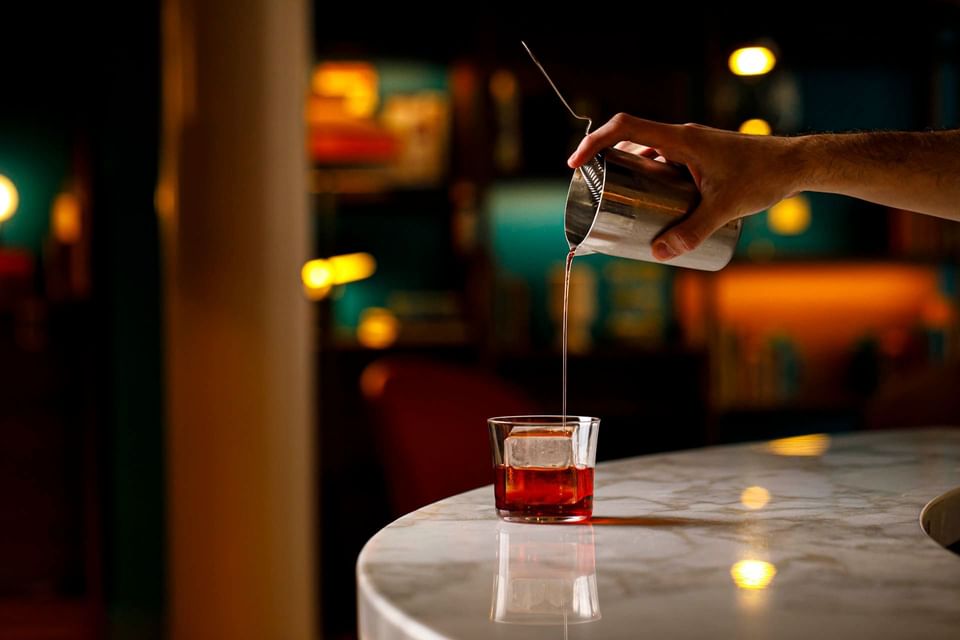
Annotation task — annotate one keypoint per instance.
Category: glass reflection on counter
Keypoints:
(545, 575)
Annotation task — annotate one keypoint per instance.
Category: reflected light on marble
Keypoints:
(545, 575)
(815, 444)
(755, 497)
(753, 574)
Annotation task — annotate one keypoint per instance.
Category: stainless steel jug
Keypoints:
(619, 202)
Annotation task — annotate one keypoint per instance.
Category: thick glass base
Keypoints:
(531, 518)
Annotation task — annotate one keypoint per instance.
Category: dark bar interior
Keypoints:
(425, 254)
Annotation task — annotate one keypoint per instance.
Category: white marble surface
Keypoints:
(839, 535)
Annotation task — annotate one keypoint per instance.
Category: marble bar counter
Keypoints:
(811, 537)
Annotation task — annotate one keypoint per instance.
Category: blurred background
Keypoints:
(396, 220)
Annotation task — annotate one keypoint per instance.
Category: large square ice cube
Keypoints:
(538, 449)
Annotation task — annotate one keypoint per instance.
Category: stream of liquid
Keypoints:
(566, 312)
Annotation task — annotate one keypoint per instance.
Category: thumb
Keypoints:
(687, 234)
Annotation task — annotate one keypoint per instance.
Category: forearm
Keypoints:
(914, 171)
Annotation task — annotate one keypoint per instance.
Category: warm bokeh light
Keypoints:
(322, 274)
(755, 127)
(503, 85)
(351, 267)
(165, 198)
(938, 312)
(317, 274)
(355, 83)
(9, 198)
(378, 328)
(823, 307)
(790, 217)
(65, 218)
(317, 278)
(815, 444)
(755, 497)
(752, 61)
(374, 379)
(753, 574)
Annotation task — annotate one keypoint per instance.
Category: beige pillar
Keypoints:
(233, 205)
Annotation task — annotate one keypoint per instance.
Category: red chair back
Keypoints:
(430, 421)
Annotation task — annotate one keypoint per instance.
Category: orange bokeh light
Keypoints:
(823, 307)
(65, 218)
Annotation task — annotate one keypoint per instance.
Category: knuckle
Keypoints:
(688, 238)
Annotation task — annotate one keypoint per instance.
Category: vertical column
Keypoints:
(233, 204)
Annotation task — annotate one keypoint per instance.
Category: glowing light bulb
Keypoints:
(9, 198)
(790, 217)
(755, 127)
(752, 61)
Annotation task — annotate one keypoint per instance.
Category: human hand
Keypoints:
(737, 174)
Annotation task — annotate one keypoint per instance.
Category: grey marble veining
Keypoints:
(725, 542)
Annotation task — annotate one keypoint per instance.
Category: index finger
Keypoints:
(622, 127)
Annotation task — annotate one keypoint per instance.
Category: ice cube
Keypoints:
(539, 449)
